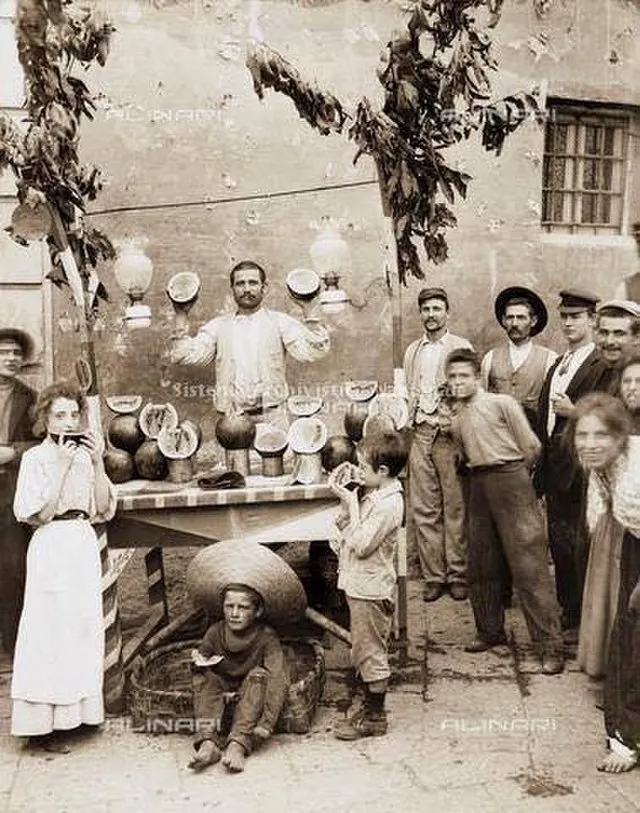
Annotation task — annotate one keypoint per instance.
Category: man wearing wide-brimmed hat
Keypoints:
(16, 404)
(580, 370)
(519, 367)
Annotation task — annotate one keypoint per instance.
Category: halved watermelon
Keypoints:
(183, 287)
(303, 283)
(271, 442)
(156, 416)
(179, 443)
(392, 406)
(360, 390)
(307, 435)
(304, 406)
(124, 404)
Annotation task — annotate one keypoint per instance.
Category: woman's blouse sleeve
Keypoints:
(105, 516)
(33, 488)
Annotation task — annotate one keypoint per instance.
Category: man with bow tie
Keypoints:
(580, 370)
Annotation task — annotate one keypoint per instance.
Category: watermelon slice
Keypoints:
(124, 404)
(360, 390)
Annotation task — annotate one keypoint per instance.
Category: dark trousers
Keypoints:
(622, 684)
(506, 533)
(14, 540)
(226, 709)
(569, 543)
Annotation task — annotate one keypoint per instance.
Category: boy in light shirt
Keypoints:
(366, 543)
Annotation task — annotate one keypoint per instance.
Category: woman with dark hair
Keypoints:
(610, 631)
(62, 488)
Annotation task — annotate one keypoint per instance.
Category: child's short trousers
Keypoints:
(371, 622)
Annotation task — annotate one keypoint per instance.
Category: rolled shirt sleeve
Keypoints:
(302, 342)
(196, 350)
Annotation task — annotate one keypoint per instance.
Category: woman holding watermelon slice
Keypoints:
(250, 347)
(62, 489)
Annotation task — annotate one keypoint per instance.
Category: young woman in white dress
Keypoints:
(62, 489)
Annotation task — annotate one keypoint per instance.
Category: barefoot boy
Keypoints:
(239, 682)
(366, 545)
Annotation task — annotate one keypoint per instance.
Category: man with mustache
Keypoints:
(615, 320)
(519, 367)
(249, 348)
(435, 491)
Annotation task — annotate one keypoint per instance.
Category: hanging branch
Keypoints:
(53, 37)
(437, 92)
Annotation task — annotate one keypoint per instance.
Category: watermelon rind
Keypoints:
(360, 390)
(304, 406)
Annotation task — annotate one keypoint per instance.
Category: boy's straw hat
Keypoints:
(237, 561)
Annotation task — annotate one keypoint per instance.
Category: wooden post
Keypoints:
(113, 664)
(391, 255)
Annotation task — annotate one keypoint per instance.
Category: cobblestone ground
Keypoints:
(467, 733)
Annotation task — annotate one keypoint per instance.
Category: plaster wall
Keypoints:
(180, 122)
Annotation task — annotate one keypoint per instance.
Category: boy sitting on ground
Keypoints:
(366, 544)
(239, 682)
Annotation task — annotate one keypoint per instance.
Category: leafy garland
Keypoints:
(436, 94)
(54, 36)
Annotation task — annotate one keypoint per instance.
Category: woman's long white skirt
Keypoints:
(58, 663)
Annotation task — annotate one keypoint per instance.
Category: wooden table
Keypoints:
(268, 511)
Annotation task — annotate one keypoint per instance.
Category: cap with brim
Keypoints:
(626, 305)
(239, 561)
(518, 292)
(20, 337)
(433, 293)
(575, 300)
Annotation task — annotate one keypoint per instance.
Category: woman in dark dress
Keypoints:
(601, 435)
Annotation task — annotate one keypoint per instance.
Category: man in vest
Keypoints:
(435, 492)
(249, 348)
(16, 422)
(558, 476)
(519, 367)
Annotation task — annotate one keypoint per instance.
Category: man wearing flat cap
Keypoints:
(435, 492)
(580, 370)
(615, 321)
(16, 405)
(519, 367)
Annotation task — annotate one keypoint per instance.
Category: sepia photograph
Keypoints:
(319, 406)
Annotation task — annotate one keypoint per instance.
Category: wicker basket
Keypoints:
(160, 697)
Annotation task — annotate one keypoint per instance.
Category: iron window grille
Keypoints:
(584, 171)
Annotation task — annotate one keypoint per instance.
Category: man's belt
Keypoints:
(74, 513)
(509, 465)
